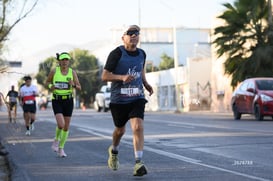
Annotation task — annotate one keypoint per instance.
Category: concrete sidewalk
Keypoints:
(4, 168)
(4, 165)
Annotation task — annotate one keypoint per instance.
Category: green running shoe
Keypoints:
(140, 169)
(113, 162)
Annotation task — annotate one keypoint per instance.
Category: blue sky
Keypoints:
(80, 21)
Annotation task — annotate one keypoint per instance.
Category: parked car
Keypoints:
(253, 96)
(102, 99)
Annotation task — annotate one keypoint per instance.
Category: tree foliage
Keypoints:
(85, 65)
(88, 71)
(166, 62)
(44, 69)
(244, 40)
(150, 67)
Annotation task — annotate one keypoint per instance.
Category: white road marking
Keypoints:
(181, 126)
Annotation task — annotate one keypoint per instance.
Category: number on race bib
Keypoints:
(129, 91)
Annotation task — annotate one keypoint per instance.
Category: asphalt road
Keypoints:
(188, 146)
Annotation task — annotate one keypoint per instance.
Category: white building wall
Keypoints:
(163, 83)
(192, 43)
(197, 72)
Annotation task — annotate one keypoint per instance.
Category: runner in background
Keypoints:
(61, 81)
(12, 103)
(27, 94)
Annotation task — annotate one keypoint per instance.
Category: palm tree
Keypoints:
(269, 13)
(244, 40)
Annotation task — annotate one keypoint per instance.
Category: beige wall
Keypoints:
(221, 89)
(220, 82)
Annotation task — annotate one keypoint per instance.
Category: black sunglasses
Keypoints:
(132, 32)
(63, 59)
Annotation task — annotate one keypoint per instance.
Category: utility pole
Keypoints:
(176, 66)
(139, 19)
(139, 13)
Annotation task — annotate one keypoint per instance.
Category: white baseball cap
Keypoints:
(131, 27)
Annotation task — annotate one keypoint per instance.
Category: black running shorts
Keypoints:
(31, 108)
(12, 105)
(121, 113)
(64, 107)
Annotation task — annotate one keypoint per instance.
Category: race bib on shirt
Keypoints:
(29, 102)
(61, 85)
(130, 91)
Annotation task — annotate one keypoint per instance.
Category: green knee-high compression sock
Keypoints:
(58, 134)
(64, 135)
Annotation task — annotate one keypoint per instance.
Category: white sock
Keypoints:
(138, 155)
(115, 148)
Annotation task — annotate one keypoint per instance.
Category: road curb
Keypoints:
(4, 169)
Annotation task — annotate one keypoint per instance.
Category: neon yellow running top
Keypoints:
(60, 82)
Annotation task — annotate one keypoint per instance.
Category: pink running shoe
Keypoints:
(55, 146)
(62, 153)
